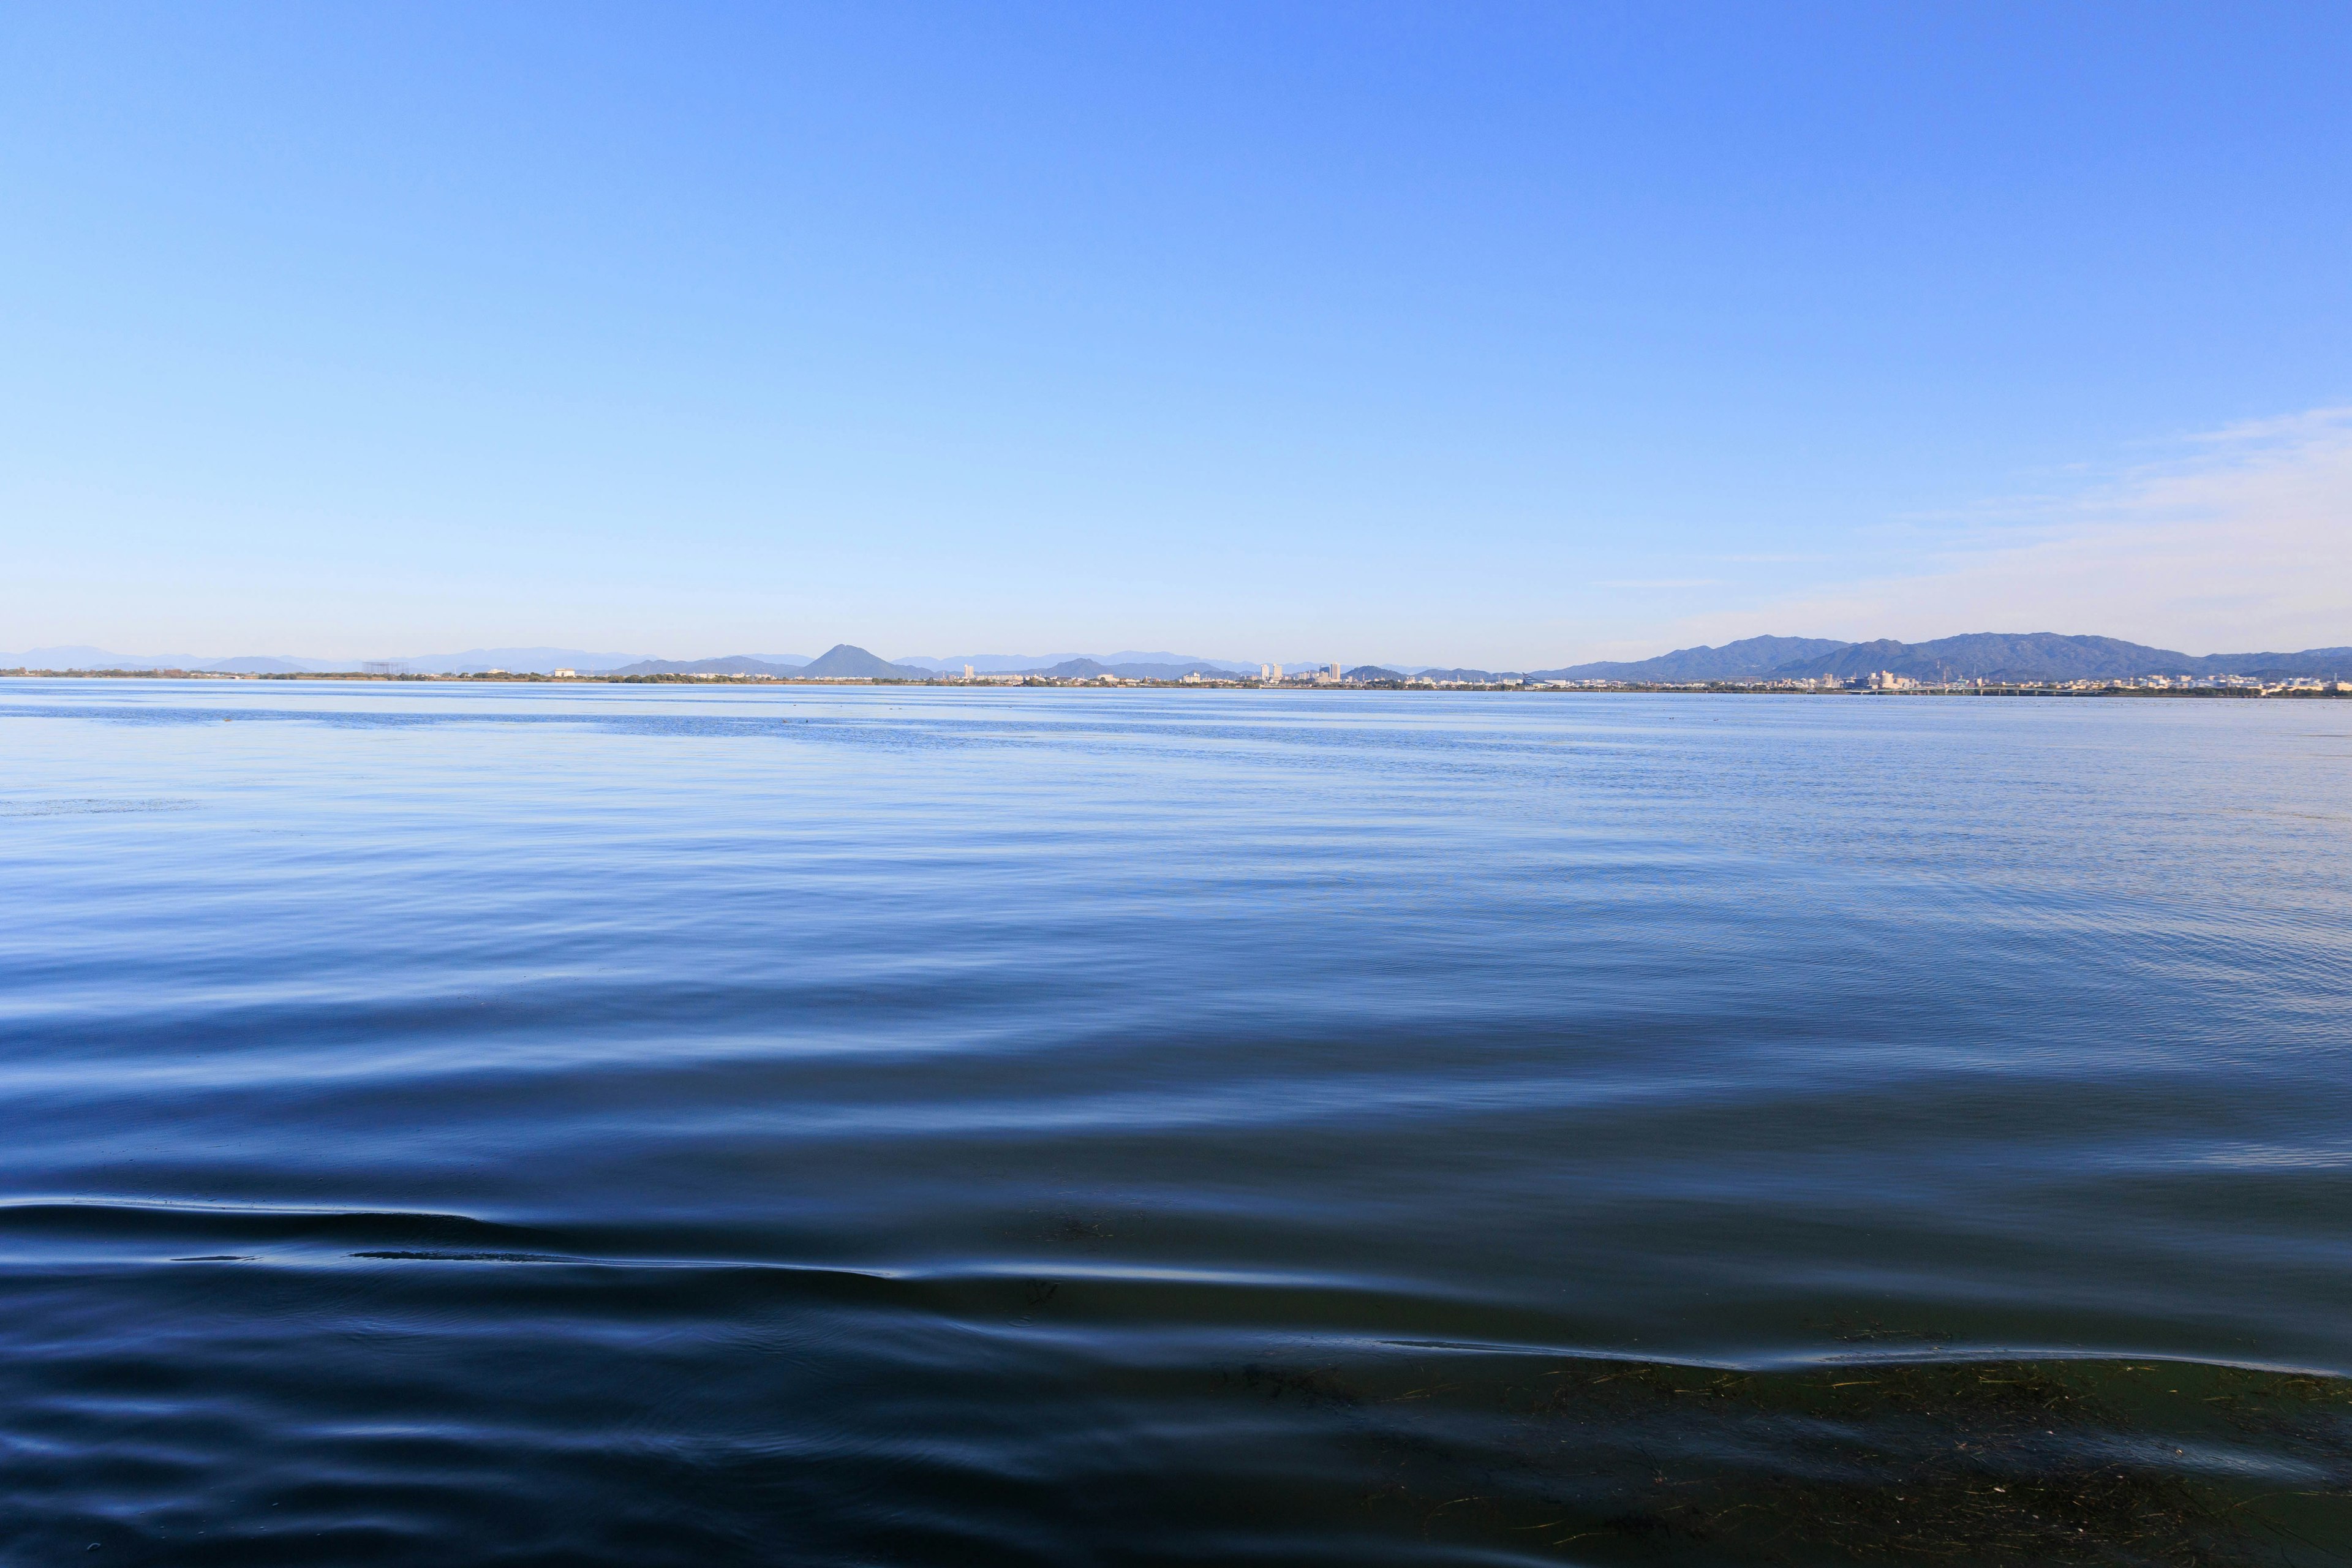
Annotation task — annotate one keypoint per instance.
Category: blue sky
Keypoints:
(1489, 334)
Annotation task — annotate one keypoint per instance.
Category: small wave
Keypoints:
(94, 808)
(467, 1257)
(120, 1221)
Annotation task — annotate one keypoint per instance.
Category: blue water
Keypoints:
(633, 1125)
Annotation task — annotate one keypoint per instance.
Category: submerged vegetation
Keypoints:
(2164, 1464)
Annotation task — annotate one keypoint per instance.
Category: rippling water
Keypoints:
(625, 1125)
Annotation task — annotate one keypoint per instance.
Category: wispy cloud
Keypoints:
(2236, 539)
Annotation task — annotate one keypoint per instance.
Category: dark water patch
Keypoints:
(1977, 1461)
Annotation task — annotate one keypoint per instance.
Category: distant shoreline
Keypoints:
(2117, 688)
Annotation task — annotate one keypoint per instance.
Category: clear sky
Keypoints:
(1442, 333)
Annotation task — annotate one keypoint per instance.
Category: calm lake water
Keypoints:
(640, 1125)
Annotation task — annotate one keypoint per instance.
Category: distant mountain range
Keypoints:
(1994, 656)
(1083, 668)
(519, 660)
(846, 662)
(738, 664)
(1118, 663)
(840, 662)
(1732, 662)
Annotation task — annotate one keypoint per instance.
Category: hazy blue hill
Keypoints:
(843, 661)
(1373, 672)
(734, 664)
(269, 664)
(522, 660)
(1476, 676)
(1147, 670)
(1746, 659)
(82, 655)
(990, 663)
(1169, 672)
(1144, 666)
(1086, 669)
(1182, 660)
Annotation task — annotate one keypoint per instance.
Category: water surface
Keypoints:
(633, 1125)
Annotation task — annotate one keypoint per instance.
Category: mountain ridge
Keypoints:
(1029, 663)
(733, 663)
(1992, 655)
(1732, 662)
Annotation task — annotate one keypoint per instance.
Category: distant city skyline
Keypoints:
(1502, 337)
